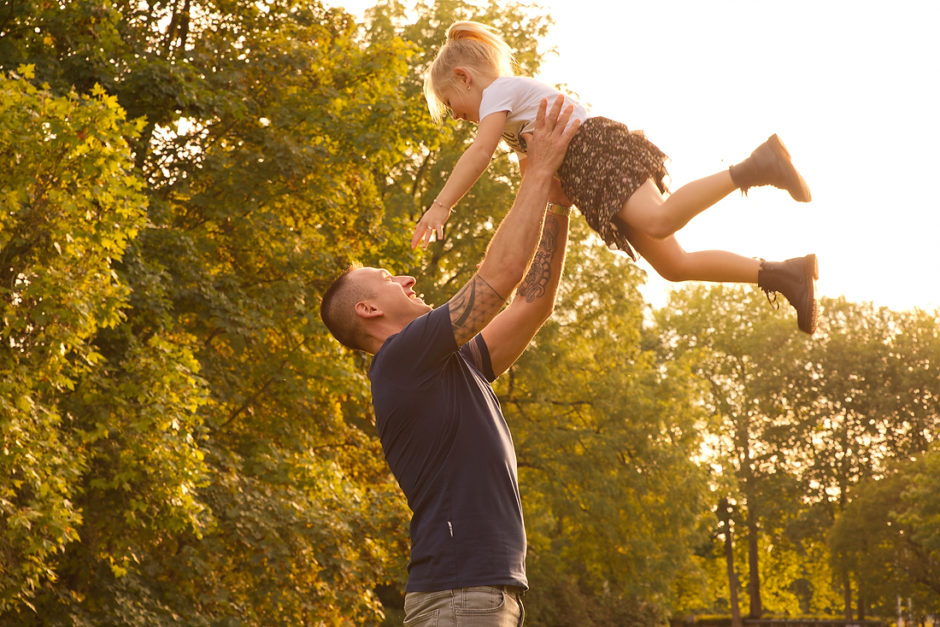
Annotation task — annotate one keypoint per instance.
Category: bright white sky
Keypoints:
(851, 86)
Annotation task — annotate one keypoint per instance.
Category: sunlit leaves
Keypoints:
(71, 202)
(804, 427)
(259, 130)
(605, 435)
(183, 443)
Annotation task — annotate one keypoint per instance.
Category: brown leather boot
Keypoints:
(770, 164)
(794, 278)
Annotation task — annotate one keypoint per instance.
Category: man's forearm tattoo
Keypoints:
(540, 272)
(472, 307)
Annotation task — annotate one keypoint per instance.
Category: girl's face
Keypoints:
(463, 97)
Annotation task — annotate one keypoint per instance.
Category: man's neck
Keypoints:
(381, 330)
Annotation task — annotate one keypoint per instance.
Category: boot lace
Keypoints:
(772, 298)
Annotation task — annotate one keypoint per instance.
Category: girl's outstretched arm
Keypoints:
(472, 163)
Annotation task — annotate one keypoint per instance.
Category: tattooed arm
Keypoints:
(511, 249)
(508, 335)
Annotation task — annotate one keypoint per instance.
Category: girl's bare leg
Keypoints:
(673, 263)
(648, 212)
(794, 278)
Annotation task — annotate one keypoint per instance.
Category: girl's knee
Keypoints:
(650, 220)
(673, 269)
(672, 275)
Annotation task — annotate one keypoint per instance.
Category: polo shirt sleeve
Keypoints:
(476, 352)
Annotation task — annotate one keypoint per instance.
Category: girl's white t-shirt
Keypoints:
(519, 97)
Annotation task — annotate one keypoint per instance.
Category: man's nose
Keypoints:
(405, 281)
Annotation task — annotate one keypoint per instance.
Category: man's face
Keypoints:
(392, 294)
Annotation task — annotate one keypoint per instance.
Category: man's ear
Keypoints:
(365, 309)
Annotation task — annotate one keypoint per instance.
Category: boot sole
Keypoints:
(807, 316)
(796, 185)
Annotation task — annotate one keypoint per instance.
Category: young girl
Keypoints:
(614, 176)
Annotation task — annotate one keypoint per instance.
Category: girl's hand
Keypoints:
(430, 225)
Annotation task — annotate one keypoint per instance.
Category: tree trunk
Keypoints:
(724, 513)
(847, 594)
(753, 575)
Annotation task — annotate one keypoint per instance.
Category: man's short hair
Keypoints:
(337, 310)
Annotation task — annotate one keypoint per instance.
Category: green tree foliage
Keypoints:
(71, 201)
(885, 412)
(605, 432)
(872, 402)
(182, 443)
(270, 138)
(920, 513)
(609, 539)
(806, 428)
(413, 182)
(749, 362)
(232, 473)
(891, 523)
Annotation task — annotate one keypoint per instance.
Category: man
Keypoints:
(439, 421)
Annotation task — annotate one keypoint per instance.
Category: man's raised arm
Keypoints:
(508, 335)
(512, 247)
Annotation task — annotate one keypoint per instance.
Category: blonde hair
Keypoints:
(475, 46)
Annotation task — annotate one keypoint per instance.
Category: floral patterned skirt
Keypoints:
(604, 165)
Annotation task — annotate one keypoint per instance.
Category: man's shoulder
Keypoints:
(425, 338)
